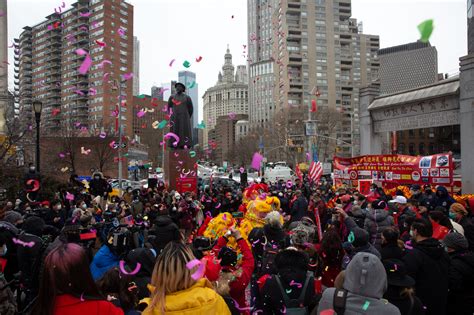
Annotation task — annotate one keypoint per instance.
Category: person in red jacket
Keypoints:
(237, 278)
(67, 287)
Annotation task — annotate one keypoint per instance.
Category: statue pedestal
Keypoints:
(180, 172)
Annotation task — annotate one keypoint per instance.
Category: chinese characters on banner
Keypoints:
(401, 169)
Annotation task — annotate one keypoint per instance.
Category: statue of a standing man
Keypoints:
(180, 106)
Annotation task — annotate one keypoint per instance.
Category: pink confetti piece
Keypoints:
(172, 135)
(22, 243)
(121, 32)
(84, 151)
(131, 273)
(69, 196)
(198, 59)
(82, 297)
(85, 14)
(242, 170)
(289, 184)
(224, 217)
(87, 63)
(298, 285)
(101, 44)
(92, 91)
(141, 113)
(127, 76)
(218, 205)
(63, 5)
(103, 63)
(62, 155)
(112, 145)
(241, 308)
(256, 160)
(199, 273)
(103, 135)
(171, 62)
(232, 116)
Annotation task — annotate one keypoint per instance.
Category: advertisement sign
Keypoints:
(400, 169)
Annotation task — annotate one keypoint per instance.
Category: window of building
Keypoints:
(411, 149)
(421, 148)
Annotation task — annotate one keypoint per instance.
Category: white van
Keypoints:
(279, 172)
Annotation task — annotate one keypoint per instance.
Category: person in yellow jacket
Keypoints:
(174, 291)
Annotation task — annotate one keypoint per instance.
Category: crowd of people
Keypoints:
(323, 250)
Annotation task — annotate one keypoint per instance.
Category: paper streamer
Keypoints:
(125, 272)
(22, 243)
(199, 273)
(256, 160)
(172, 135)
(86, 64)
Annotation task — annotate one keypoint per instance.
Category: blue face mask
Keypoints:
(411, 234)
(4, 250)
(452, 215)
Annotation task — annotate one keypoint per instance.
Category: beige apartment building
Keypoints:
(301, 51)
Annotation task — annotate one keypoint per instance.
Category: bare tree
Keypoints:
(328, 123)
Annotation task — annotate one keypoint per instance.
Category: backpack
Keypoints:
(295, 306)
(265, 265)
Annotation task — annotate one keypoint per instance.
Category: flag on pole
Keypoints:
(315, 168)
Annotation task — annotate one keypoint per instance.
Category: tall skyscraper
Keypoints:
(302, 51)
(470, 26)
(49, 62)
(407, 66)
(228, 97)
(3, 66)
(136, 66)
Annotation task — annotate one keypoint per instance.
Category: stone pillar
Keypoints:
(3, 65)
(466, 114)
(370, 142)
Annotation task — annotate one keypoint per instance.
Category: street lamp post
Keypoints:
(37, 107)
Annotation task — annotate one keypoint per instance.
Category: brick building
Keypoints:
(46, 67)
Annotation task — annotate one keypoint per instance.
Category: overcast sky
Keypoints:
(186, 29)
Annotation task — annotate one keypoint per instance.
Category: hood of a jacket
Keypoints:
(274, 234)
(197, 296)
(145, 257)
(105, 257)
(377, 215)
(443, 190)
(430, 247)
(365, 275)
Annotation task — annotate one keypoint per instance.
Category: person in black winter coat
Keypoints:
(459, 214)
(428, 264)
(443, 199)
(146, 257)
(299, 208)
(400, 289)
(98, 186)
(390, 247)
(461, 275)
(292, 273)
(163, 232)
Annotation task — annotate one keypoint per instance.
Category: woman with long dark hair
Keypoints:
(66, 285)
(331, 253)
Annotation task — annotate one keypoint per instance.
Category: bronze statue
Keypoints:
(180, 106)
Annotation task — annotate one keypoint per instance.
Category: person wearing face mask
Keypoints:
(401, 212)
(98, 186)
(428, 263)
(461, 275)
(459, 214)
(55, 215)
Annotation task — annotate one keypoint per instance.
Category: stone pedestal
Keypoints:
(466, 119)
(179, 167)
(370, 142)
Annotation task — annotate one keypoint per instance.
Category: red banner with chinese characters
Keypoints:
(434, 169)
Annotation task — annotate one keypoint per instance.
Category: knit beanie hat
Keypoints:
(458, 208)
(12, 217)
(455, 241)
(361, 237)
